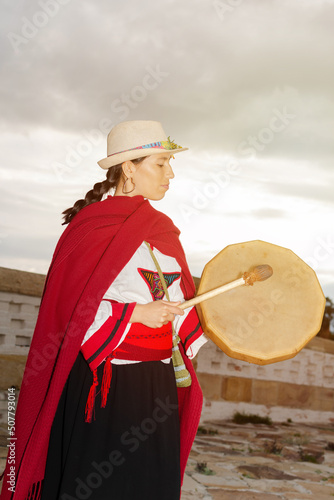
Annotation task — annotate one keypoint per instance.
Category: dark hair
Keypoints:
(114, 175)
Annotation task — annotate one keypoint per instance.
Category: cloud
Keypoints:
(307, 191)
(220, 83)
(269, 213)
(224, 77)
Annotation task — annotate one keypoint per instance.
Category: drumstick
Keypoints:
(259, 273)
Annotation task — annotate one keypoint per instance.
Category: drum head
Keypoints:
(269, 321)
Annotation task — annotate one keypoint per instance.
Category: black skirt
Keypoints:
(132, 448)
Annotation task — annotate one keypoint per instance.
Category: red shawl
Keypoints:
(91, 252)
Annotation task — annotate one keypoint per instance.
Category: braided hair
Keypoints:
(113, 178)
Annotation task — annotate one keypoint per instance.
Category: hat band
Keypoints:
(166, 145)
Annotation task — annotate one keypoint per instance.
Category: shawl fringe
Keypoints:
(35, 492)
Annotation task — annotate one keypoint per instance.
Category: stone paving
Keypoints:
(251, 462)
(255, 462)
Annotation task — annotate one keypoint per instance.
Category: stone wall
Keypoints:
(20, 295)
(18, 318)
(301, 388)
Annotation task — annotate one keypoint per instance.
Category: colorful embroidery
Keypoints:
(154, 283)
(169, 144)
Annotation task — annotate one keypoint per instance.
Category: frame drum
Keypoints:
(269, 321)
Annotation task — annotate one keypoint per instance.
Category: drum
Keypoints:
(270, 321)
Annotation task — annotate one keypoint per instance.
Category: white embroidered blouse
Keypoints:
(138, 282)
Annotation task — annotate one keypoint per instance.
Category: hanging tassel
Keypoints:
(106, 379)
(182, 376)
(91, 399)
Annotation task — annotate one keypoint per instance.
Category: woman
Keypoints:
(110, 403)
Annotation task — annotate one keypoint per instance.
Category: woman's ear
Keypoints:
(129, 168)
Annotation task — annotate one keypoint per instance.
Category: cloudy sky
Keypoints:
(247, 85)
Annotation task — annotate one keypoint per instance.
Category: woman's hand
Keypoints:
(156, 313)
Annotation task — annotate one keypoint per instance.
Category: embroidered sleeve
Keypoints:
(107, 331)
(190, 332)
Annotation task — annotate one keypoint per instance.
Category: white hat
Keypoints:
(135, 139)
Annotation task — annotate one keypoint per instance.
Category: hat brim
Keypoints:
(116, 159)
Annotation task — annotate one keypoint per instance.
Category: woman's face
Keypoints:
(151, 176)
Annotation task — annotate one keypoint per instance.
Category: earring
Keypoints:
(123, 189)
